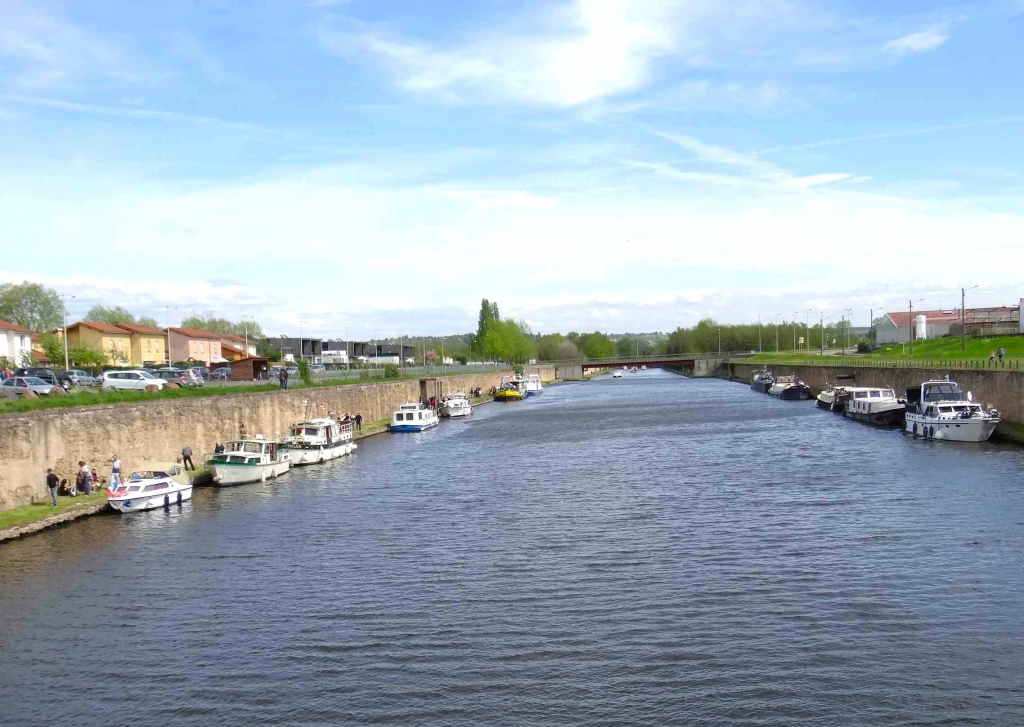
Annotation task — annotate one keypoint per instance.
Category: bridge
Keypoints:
(692, 364)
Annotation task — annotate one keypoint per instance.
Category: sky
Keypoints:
(369, 169)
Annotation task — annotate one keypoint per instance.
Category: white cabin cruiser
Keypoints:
(616, 374)
(455, 404)
(941, 410)
(153, 484)
(874, 405)
(534, 386)
(319, 440)
(249, 460)
(413, 418)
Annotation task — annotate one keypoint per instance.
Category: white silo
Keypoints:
(921, 327)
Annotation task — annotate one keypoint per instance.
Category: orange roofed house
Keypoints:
(148, 345)
(192, 344)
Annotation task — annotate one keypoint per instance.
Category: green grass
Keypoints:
(93, 398)
(939, 349)
(32, 513)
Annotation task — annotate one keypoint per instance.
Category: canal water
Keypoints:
(646, 551)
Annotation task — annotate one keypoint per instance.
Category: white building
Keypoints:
(15, 342)
(895, 327)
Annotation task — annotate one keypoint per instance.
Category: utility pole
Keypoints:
(64, 313)
(807, 331)
(759, 334)
(871, 328)
(776, 333)
(168, 320)
(821, 332)
(796, 315)
(911, 337)
(963, 317)
(719, 340)
(849, 321)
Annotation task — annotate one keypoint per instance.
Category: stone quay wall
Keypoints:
(157, 430)
(1003, 389)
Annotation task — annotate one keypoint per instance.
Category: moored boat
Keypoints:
(513, 389)
(534, 386)
(762, 381)
(455, 404)
(414, 417)
(874, 405)
(249, 460)
(789, 388)
(153, 484)
(941, 410)
(616, 374)
(319, 440)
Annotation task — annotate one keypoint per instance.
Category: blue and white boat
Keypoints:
(534, 387)
(413, 418)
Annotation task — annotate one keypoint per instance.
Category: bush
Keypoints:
(863, 348)
(461, 358)
(518, 369)
(390, 371)
(304, 373)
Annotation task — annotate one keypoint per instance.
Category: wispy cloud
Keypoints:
(187, 47)
(47, 51)
(919, 42)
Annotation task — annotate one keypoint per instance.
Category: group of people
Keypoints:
(1000, 352)
(5, 373)
(86, 478)
(356, 421)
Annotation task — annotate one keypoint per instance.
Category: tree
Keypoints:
(597, 345)
(53, 347)
(111, 316)
(488, 315)
(86, 357)
(210, 322)
(625, 346)
(26, 358)
(461, 358)
(508, 341)
(147, 321)
(31, 306)
(265, 349)
(567, 351)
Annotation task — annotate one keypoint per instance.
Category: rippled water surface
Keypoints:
(652, 550)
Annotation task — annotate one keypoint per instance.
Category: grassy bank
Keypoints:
(32, 513)
(92, 398)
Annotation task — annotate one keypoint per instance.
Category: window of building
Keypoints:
(202, 348)
(119, 344)
(149, 347)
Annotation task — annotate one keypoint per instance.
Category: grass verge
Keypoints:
(31, 513)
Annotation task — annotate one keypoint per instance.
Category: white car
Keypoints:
(130, 380)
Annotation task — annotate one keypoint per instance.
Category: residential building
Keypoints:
(241, 343)
(114, 341)
(148, 345)
(291, 349)
(39, 356)
(895, 327)
(15, 343)
(192, 344)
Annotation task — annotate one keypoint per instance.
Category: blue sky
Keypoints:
(381, 167)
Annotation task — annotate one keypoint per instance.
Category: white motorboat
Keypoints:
(874, 405)
(413, 418)
(534, 386)
(455, 404)
(319, 440)
(249, 460)
(941, 410)
(643, 368)
(616, 374)
(153, 484)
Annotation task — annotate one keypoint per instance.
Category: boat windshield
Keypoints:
(148, 475)
(944, 392)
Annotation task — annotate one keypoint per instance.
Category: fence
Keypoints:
(902, 363)
(373, 373)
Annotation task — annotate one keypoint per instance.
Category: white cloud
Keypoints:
(816, 179)
(920, 42)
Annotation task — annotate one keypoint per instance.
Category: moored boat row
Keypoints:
(937, 409)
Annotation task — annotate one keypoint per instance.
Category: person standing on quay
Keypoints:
(51, 483)
(284, 377)
(1000, 353)
(85, 477)
(115, 472)
(359, 422)
(186, 458)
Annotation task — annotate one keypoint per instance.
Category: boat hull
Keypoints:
(534, 392)
(302, 456)
(793, 392)
(950, 430)
(413, 427)
(456, 412)
(508, 396)
(225, 474)
(150, 502)
(761, 387)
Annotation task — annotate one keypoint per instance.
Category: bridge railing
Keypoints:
(663, 358)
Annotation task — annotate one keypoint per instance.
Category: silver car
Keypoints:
(20, 384)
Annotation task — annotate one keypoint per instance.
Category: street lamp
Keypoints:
(301, 354)
(64, 313)
(348, 363)
(963, 316)
(849, 314)
(777, 332)
(719, 340)
(796, 315)
(910, 337)
(807, 331)
(759, 334)
(245, 324)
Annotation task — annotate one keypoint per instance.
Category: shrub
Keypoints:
(390, 371)
(304, 373)
(863, 348)
(518, 369)
(461, 358)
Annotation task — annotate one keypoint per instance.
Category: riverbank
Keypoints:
(1000, 388)
(29, 519)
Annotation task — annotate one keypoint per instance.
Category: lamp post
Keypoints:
(807, 331)
(245, 324)
(169, 308)
(301, 355)
(64, 314)
(849, 315)
(777, 332)
(910, 337)
(348, 363)
(719, 340)
(796, 315)
(963, 317)
(821, 334)
(759, 334)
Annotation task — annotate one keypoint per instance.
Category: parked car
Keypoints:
(221, 374)
(203, 371)
(275, 371)
(20, 384)
(47, 375)
(317, 368)
(76, 377)
(129, 380)
(182, 377)
(293, 371)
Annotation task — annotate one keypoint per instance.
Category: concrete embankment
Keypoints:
(157, 430)
(1002, 389)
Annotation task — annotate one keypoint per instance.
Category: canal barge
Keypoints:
(877, 406)
(415, 417)
(762, 381)
(789, 389)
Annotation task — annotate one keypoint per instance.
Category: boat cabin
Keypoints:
(411, 413)
(247, 451)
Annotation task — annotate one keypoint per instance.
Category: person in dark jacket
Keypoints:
(186, 458)
(52, 482)
(359, 422)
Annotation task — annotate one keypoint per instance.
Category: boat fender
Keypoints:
(179, 497)
(914, 430)
(167, 500)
